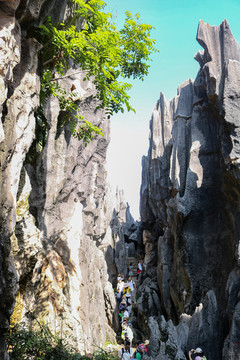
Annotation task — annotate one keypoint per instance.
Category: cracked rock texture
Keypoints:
(55, 211)
(190, 208)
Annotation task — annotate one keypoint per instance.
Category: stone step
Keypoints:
(134, 262)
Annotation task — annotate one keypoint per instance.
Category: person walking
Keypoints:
(132, 286)
(197, 354)
(140, 268)
(126, 352)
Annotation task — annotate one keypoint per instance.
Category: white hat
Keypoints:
(198, 350)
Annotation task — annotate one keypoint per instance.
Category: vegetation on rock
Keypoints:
(105, 55)
(41, 344)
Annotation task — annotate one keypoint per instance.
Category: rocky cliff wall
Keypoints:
(55, 210)
(190, 208)
(19, 96)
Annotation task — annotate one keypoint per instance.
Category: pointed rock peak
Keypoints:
(161, 101)
(208, 38)
(218, 43)
(184, 85)
(129, 217)
(162, 96)
(225, 23)
(225, 26)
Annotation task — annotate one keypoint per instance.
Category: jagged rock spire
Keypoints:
(189, 197)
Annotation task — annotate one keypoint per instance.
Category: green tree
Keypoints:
(105, 54)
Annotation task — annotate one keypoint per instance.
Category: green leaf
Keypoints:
(107, 54)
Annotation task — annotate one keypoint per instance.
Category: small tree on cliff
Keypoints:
(104, 53)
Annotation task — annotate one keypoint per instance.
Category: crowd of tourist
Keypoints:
(126, 297)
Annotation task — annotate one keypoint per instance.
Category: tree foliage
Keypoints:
(104, 54)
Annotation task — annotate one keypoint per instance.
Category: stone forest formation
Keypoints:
(64, 238)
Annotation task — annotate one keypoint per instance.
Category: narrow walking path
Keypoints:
(134, 262)
(126, 299)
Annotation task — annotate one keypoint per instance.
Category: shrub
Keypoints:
(41, 344)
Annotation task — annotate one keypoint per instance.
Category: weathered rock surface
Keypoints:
(19, 86)
(190, 204)
(55, 212)
(60, 240)
(126, 236)
(63, 240)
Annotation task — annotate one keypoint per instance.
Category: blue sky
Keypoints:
(176, 24)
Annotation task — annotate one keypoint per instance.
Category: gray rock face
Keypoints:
(68, 201)
(190, 195)
(126, 236)
(19, 86)
(55, 213)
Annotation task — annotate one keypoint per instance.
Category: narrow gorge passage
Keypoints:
(190, 210)
(64, 236)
